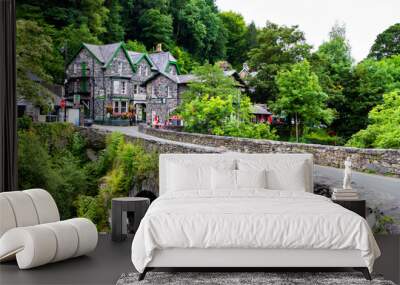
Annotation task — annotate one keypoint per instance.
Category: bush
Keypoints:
(384, 130)
(51, 156)
(126, 166)
(321, 136)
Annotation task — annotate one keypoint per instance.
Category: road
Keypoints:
(380, 191)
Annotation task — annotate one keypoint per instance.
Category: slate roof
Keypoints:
(103, 52)
(162, 59)
(186, 78)
(260, 109)
(135, 56)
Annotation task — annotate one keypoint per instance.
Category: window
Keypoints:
(123, 87)
(168, 92)
(146, 71)
(153, 90)
(140, 70)
(74, 67)
(116, 106)
(120, 67)
(135, 89)
(123, 106)
(116, 87)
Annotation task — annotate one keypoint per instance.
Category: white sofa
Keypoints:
(31, 230)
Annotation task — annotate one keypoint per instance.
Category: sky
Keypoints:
(364, 19)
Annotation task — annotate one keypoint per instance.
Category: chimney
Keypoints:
(159, 48)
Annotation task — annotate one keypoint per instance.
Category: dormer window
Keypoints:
(140, 70)
(168, 91)
(120, 67)
(74, 68)
(153, 91)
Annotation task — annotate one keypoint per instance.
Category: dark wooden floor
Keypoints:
(110, 259)
(103, 266)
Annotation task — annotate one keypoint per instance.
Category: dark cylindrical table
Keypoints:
(119, 208)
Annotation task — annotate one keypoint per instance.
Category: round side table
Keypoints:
(119, 208)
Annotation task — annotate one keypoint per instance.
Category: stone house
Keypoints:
(108, 81)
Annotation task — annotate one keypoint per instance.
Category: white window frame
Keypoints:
(136, 89)
(116, 87)
(120, 67)
(116, 107)
(140, 70)
(123, 87)
(146, 71)
(168, 91)
(153, 89)
(74, 68)
(125, 107)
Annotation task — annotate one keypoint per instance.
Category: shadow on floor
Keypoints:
(103, 266)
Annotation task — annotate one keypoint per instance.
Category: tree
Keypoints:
(251, 36)
(199, 29)
(213, 104)
(114, 27)
(279, 47)
(387, 43)
(383, 130)
(301, 97)
(236, 48)
(33, 49)
(332, 63)
(371, 80)
(184, 59)
(71, 38)
(156, 28)
(135, 46)
(94, 15)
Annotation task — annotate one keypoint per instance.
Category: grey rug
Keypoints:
(243, 278)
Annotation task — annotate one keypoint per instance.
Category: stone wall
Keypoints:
(96, 139)
(379, 161)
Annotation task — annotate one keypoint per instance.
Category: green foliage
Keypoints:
(212, 104)
(135, 46)
(184, 60)
(320, 136)
(33, 49)
(24, 123)
(332, 63)
(91, 208)
(384, 130)
(278, 48)
(387, 43)
(71, 38)
(371, 79)
(251, 36)
(114, 27)
(199, 29)
(124, 167)
(301, 97)
(236, 46)
(47, 159)
(156, 28)
(383, 223)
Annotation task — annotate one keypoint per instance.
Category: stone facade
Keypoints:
(162, 98)
(110, 76)
(380, 161)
